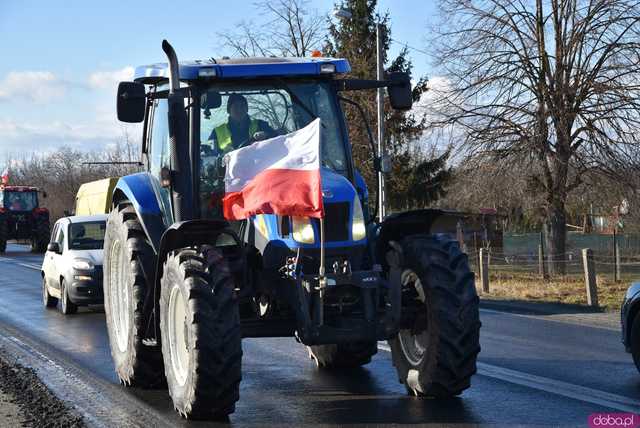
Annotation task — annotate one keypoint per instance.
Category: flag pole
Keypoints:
(322, 280)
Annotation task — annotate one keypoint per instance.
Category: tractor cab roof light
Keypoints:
(327, 68)
(207, 72)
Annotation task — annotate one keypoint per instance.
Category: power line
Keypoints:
(409, 47)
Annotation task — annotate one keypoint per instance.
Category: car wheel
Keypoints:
(67, 307)
(47, 299)
(635, 341)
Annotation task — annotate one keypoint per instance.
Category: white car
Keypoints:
(72, 266)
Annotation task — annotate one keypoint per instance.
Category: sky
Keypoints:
(61, 61)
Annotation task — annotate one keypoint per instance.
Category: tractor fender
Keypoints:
(185, 234)
(139, 189)
(425, 221)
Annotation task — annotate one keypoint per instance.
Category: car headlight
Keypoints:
(303, 230)
(358, 227)
(82, 264)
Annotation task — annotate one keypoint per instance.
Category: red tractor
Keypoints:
(22, 218)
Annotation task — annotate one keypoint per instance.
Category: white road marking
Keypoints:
(558, 387)
(31, 266)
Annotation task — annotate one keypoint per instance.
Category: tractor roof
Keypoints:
(244, 68)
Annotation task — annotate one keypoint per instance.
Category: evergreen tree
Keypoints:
(415, 180)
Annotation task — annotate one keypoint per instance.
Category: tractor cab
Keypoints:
(22, 218)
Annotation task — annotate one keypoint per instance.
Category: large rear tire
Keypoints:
(436, 357)
(343, 355)
(41, 237)
(635, 341)
(128, 273)
(200, 330)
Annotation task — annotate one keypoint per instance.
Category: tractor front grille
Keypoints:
(336, 222)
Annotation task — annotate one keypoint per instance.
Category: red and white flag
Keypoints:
(276, 176)
(5, 176)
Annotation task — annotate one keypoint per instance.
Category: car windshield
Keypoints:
(236, 115)
(20, 201)
(87, 235)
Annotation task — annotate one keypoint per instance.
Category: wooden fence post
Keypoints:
(590, 277)
(616, 257)
(542, 269)
(484, 269)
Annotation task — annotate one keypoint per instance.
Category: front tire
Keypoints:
(635, 341)
(47, 299)
(436, 356)
(67, 307)
(128, 272)
(200, 329)
(343, 355)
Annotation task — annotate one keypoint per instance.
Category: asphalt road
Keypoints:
(531, 371)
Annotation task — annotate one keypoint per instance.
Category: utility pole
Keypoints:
(380, 102)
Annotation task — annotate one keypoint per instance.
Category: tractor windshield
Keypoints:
(19, 200)
(246, 113)
(236, 115)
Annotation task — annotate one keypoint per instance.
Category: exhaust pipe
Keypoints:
(174, 68)
(180, 174)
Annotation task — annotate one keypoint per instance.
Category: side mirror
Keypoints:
(210, 100)
(54, 247)
(131, 101)
(399, 91)
(44, 194)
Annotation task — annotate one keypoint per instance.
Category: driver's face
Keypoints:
(238, 111)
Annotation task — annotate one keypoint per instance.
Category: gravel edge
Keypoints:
(38, 406)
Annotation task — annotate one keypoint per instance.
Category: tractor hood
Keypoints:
(336, 187)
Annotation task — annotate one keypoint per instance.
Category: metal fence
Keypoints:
(593, 265)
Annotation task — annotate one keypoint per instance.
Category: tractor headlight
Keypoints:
(303, 230)
(82, 264)
(358, 227)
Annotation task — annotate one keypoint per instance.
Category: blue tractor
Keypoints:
(183, 286)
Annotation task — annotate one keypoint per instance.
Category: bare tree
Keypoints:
(552, 86)
(289, 29)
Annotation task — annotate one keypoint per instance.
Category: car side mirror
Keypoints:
(131, 102)
(399, 91)
(54, 247)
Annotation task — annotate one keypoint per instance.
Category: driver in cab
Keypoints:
(240, 129)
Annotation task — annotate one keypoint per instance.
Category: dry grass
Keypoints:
(565, 289)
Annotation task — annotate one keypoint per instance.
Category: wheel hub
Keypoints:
(414, 342)
(119, 297)
(177, 321)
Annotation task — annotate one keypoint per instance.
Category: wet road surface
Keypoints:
(531, 371)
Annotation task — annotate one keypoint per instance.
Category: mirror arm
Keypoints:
(366, 122)
(376, 160)
(363, 84)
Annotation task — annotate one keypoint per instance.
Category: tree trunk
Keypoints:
(555, 231)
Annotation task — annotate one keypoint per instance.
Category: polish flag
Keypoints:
(5, 176)
(276, 176)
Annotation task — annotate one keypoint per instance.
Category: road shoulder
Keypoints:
(572, 314)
